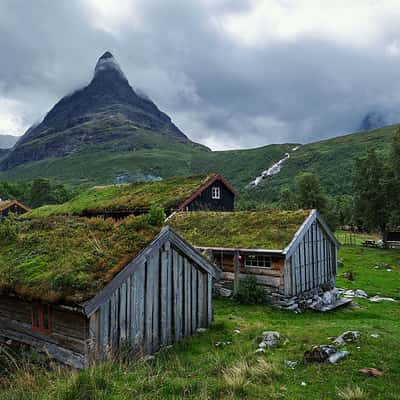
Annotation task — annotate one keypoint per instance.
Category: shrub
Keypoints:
(248, 291)
(9, 229)
(156, 216)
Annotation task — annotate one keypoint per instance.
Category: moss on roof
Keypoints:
(272, 230)
(70, 259)
(168, 193)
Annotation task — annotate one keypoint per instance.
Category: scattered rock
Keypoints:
(291, 364)
(271, 339)
(378, 299)
(223, 292)
(149, 357)
(324, 353)
(357, 293)
(303, 384)
(334, 358)
(371, 372)
(375, 335)
(347, 337)
(201, 330)
(319, 353)
(237, 331)
(260, 350)
(349, 275)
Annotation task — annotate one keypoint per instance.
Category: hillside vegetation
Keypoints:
(222, 364)
(331, 159)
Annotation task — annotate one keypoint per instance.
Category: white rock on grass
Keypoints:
(271, 339)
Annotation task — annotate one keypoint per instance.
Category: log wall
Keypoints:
(67, 340)
(165, 298)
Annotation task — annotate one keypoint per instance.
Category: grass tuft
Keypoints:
(351, 393)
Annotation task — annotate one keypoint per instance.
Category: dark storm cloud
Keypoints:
(220, 90)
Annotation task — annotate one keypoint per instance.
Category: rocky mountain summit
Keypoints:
(107, 115)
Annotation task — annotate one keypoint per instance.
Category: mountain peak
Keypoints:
(107, 62)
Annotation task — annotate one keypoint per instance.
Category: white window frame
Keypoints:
(215, 192)
(261, 261)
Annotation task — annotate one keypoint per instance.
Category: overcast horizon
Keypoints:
(231, 74)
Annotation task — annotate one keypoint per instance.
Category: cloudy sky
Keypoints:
(230, 73)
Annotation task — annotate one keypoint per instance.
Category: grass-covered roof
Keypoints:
(272, 230)
(168, 193)
(69, 259)
(5, 204)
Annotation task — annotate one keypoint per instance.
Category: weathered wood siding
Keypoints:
(313, 263)
(66, 341)
(205, 202)
(270, 277)
(165, 298)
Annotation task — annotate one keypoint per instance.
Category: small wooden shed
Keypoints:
(12, 206)
(291, 253)
(128, 285)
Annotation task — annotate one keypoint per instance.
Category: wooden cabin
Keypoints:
(195, 193)
(147, 289)
(12, 206)
(292, 254)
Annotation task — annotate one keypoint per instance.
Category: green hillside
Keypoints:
(332, 159)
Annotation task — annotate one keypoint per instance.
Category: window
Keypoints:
(41, 321)
(215, 192)
(257, 261)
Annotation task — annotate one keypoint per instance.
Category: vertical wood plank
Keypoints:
(188, 304)
(178, 288)
(200, 297)
(170, 302)
(156, 301)
(210, 315)
(164, 298)
(148, 342)
(194, 299)
(122, 313)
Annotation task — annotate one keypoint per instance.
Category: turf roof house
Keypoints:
(211, 192)
(12, 206)
(292, 254)
(126, 283)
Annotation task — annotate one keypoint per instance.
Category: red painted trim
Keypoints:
(40, 328)
(207, 184)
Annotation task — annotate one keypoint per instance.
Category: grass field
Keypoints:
(198, 368)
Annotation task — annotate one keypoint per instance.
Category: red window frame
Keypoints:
(38, 324)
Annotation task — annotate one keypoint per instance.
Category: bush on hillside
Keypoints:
(248, 291)
(156, 216)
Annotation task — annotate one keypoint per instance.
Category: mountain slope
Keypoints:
(7, 141)
(107, 115)
(332, 159)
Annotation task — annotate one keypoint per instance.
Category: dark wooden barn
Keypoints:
(290, 253)
(12, 206)
(153, 299)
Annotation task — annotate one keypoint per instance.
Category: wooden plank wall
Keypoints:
(165, 299)
(312, 264)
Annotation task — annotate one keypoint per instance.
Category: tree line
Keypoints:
(34, 194)
(374, 204)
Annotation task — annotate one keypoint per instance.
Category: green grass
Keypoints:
(196, 368)
(70, 259)
(167, 194)
(332, 159)
(273, 229)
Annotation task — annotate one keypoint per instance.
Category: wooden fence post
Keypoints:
(236, 264)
